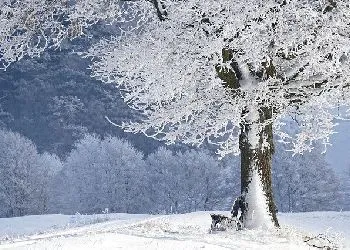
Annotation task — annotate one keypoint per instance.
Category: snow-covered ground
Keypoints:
(184, 231)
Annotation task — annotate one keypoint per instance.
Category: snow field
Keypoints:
(182, 231)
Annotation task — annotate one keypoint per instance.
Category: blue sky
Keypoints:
(338, 155)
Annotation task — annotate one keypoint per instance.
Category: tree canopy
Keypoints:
(211, 66)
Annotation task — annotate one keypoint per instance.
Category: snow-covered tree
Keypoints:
(229, 183)
(183, 182)
(226, 72)
(222, 71)
(164, 181)
(304, 182)
(200, 176)
(48, 166)
(24, 176)
(103, 174)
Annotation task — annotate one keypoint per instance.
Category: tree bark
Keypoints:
(258, 159)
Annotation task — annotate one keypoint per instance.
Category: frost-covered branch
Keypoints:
(29, 27)
(195, 73)
(194, 67)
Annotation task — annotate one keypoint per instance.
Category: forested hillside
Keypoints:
(53, 101)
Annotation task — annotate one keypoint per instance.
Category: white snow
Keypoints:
(16, 227)
(253, 134)
(335, 225)
(257, 214)
(183, 231)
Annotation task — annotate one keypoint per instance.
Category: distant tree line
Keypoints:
(305, 182)
(110, 173)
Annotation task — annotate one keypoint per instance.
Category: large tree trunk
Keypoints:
(256, 145)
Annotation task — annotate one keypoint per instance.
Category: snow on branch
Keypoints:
(291, 57)
(29, 27)
(197, 69)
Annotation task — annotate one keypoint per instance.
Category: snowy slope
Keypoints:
(187, 231)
